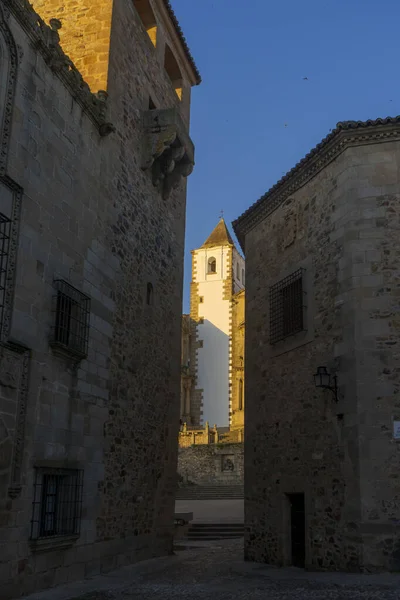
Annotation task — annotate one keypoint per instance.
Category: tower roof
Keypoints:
(219, 237)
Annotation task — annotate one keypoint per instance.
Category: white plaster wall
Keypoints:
(213, 358)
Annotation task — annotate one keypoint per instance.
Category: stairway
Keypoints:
(210, 492)
(215, 531)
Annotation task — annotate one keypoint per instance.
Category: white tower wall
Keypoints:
(214, 331)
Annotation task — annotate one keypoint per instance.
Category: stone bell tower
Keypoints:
(217, 276)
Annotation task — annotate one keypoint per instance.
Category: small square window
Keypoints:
(201, 299)
(71, 319)
(201, 320)
(286, 299)
(57, 503)
(200, 344)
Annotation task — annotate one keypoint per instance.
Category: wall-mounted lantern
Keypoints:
(325, 380)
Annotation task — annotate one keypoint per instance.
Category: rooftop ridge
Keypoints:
(345, 134)
(47, 41)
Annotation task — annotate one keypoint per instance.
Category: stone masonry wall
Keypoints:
(238, 335)
(341, 227)
(294, 440)
(85, 35)
(370, 278)
(212, 465)
(91, 216)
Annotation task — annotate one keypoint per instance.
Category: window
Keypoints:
(146, 14)
(5, 227)
(71, 323)
(243, 276)
(201, 299)
(150, 294)
(212, 265)
(57, 503)
(152, 105)
(241, 394)
(174, 72)
(237, 271)
(200, 344)
(201, 321)
(286, 299)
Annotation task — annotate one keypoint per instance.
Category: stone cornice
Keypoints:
(45, 39)
(346, 135)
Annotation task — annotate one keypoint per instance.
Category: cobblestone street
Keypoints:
(217, 571)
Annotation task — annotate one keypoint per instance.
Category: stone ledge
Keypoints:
(49, 544)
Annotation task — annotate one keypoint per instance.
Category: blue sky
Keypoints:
(253, 56)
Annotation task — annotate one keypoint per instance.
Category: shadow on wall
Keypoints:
(213, 373)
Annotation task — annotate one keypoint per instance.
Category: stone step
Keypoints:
(215, 531)
(235, 492)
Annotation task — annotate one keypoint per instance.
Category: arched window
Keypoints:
(150, 294)
(148, 19)
(241, 390)
(212, 265)
(173, 70)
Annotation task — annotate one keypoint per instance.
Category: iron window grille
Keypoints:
(286, 300)
(5, 231)
(71, 319)
(57, 503)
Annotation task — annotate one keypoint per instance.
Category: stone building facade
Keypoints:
(322, 477)
(237, 368)
(92, 221)
(218, 273)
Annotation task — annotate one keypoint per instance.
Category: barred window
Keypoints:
(57, 503)
(286, 299)
(71, 319)
(5, 227)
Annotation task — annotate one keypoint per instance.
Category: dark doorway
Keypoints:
(298, 529)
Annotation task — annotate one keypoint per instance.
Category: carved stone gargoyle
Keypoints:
(168, 149)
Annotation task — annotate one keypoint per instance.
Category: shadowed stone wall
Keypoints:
(83, 210)
(212, 465)
(341, 225)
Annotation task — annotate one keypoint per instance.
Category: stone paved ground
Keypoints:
(217, 572)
